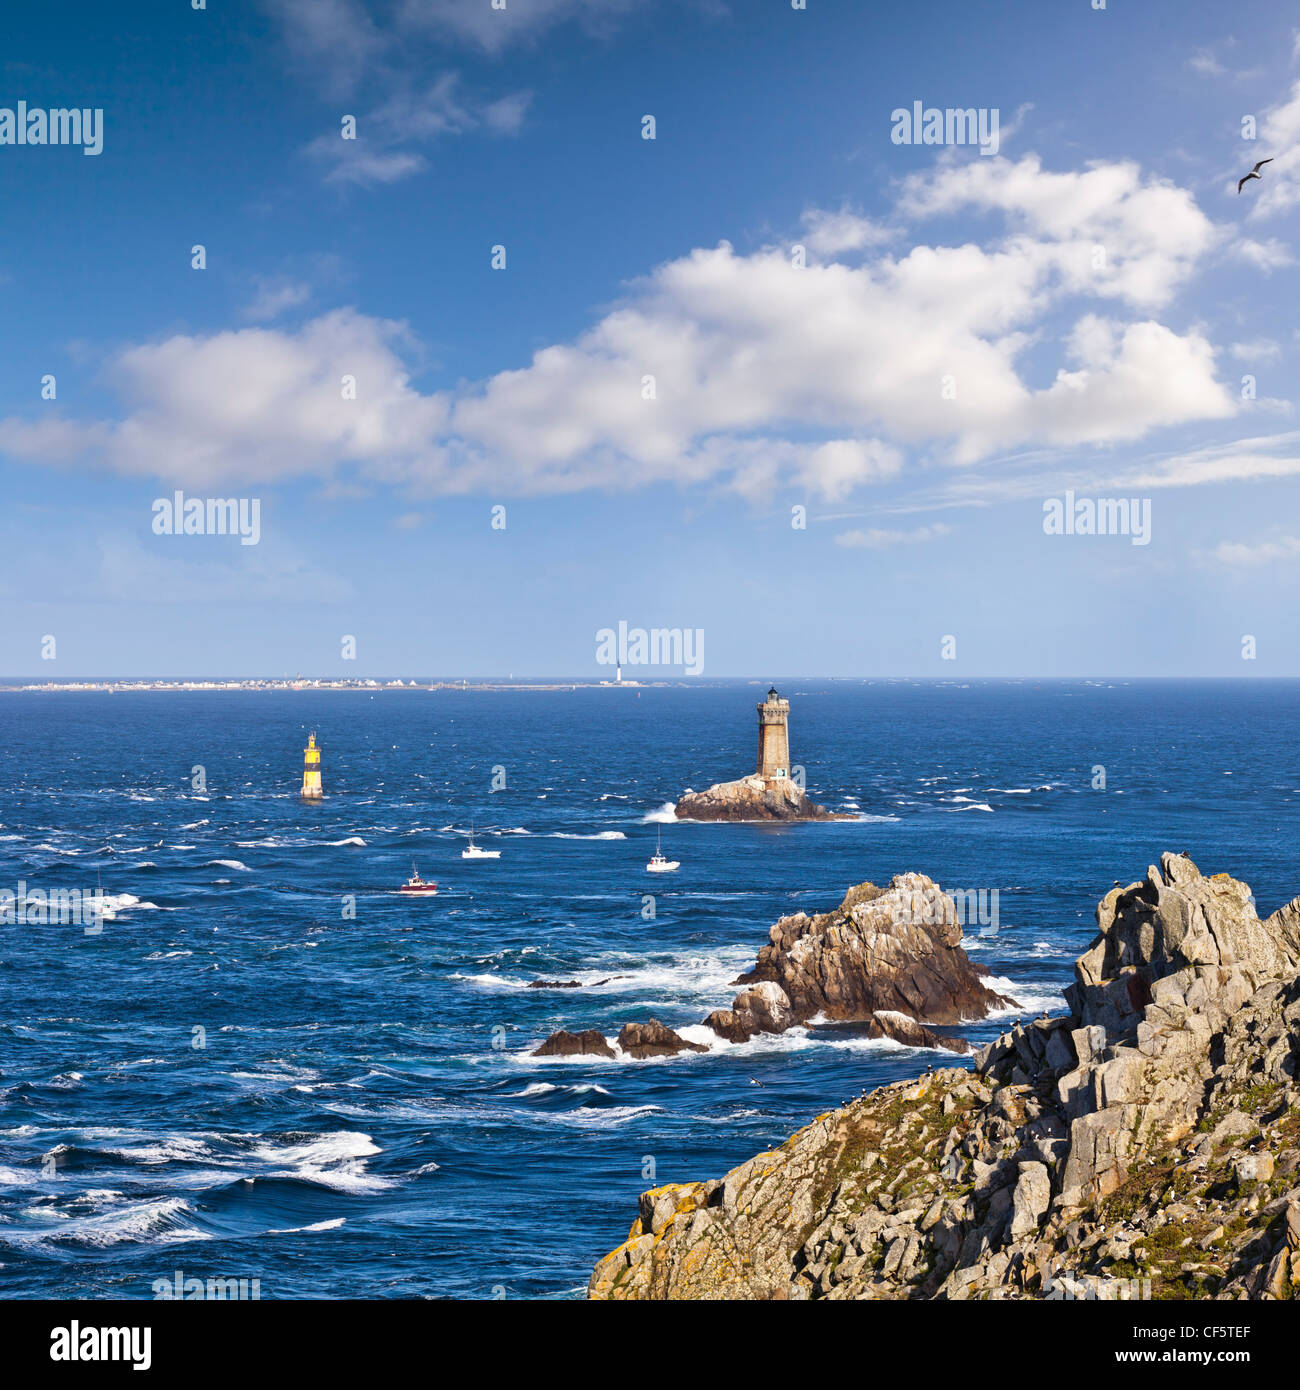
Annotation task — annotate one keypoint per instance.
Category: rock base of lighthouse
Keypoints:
(753, 799)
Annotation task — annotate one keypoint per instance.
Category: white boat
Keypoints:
(658, 864)
(472, 851)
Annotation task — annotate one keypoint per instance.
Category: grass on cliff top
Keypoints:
(1160, 1254)
(900, 1129)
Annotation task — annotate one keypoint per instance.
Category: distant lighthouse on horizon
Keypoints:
(774, 738)
(311, 787)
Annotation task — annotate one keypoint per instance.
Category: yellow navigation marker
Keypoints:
(311, 788)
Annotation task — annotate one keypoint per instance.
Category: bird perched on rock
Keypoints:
(1254, 174)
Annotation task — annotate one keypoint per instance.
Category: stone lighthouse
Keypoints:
(311, 788)
(774, 738)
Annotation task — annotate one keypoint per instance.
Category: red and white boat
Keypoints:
(415, 884)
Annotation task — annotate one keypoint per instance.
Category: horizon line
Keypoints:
(391, 682)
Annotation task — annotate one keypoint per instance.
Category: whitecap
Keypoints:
(1029, 999)
(331, 1225)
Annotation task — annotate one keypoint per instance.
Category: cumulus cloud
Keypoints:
(831, 234)
(1150, 234)
(251, 404)
(740, 370)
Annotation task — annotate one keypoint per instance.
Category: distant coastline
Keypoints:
(258, 684)
(132, 684)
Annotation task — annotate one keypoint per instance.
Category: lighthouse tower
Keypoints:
(311, 788)
(774, 738)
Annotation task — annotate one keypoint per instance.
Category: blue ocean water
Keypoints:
(236, 1080)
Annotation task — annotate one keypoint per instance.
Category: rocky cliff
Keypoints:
(1146, 1145)
(752, 799)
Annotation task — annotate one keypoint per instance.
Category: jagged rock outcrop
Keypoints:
(590, 1042)
(568, 984)
(887, 960)
(752, 799)
(1147, 1145)
(654, 1040)
(883, 953)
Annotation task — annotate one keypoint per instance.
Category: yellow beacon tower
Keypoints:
(311, 788)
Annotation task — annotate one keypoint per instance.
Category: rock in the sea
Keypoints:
(1147, 1146)
(887, 960)
(590, 1041)
(902, 1029)
(752, 798)
(882, 951)
(654, 1040)
(770, 792)
(727, 1023)
(764, 1008)
(554, 984)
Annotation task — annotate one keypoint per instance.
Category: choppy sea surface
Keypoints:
(236, 1079)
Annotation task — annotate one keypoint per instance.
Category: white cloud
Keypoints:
(381, 152)
(1128, 381)
(821, 378)
(1278, 187)
(873, 539)
(1152, 233)
(475, 21)
(1243, 460)
(1253, 554)
(273, 297)
(336, 41)
(1267, 255)
(252, 404)
(1257, 459)
(341, 43)
(830, 234)
(1258, 350)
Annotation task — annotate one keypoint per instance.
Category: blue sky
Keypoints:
(951, 354)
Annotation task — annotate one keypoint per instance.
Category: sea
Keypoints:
(269, 1065)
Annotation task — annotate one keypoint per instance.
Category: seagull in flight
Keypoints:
(1254, 173)
(754, 1081)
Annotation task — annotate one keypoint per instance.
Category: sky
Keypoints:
(776, 376)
